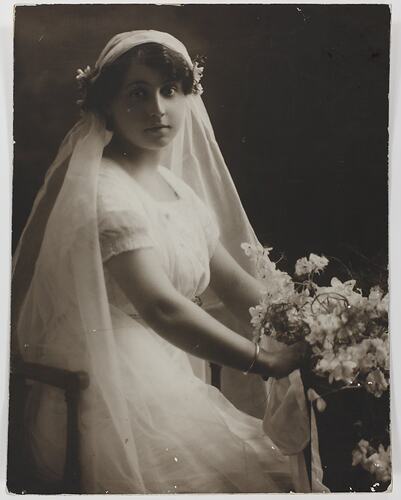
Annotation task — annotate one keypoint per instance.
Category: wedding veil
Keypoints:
(60, 310)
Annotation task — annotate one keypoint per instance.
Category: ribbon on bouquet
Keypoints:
(289, 421)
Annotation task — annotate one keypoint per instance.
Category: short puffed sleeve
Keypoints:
(122, 220)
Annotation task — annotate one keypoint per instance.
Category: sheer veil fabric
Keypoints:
(61, 313)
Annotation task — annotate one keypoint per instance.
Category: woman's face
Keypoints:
(148, 110)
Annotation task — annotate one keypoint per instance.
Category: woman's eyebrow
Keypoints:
(137, 82)
(144, 82)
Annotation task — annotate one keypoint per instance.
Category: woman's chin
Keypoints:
(158, 143)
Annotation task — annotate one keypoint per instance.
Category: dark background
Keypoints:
(298, 96)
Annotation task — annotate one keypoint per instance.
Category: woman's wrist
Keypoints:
(264, 364)
(254, 360)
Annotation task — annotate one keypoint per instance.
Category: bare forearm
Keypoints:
(244, 293)
(234, 286)
(190, 328)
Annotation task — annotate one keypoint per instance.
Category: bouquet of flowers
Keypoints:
(347, 331)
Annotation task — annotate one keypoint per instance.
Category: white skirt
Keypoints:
(186, 436)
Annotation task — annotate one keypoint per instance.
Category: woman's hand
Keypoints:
(287, 360)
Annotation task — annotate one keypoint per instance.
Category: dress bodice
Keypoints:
(183, 232)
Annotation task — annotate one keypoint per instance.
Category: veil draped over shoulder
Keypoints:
(60, 310)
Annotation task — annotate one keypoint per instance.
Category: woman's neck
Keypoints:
(132, 158)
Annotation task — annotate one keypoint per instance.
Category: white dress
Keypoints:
(189, 437)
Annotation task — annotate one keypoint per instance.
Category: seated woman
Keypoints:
(127, 247)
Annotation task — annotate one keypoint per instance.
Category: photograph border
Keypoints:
(6, 148)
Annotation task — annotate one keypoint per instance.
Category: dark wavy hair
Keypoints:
(97, 95)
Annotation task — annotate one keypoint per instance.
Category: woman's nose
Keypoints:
(157, 106)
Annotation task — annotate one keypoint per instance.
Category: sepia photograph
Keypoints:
(200, 249)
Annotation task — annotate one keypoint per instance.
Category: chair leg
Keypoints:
(215, 375)
(18, 465)
(72, 472)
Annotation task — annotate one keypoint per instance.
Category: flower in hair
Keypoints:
(83, 73)
(198, 73)
(83, 78)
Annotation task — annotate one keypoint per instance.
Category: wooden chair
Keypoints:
(215, 373)
(22, 476)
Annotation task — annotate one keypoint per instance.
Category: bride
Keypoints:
(125, 251)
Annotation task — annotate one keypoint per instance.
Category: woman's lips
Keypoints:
(157, 128)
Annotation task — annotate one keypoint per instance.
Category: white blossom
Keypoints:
(376, 462)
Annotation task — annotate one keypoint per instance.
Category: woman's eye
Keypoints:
(137, 93)
(170, 90)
